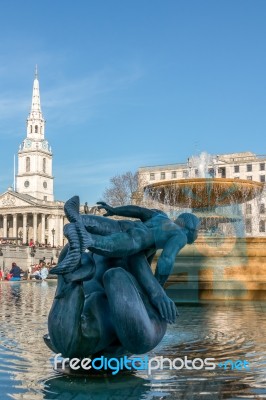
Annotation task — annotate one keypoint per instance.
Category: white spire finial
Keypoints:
(35, 121)
(36, 103)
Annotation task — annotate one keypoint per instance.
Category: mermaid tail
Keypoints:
(71, 261)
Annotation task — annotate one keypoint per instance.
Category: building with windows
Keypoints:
(246, 165)
(28, 210)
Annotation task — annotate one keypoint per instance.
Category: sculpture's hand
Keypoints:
(166, 307)
(109, 210)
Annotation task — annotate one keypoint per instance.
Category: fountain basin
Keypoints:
(204, 192)
(222, 269)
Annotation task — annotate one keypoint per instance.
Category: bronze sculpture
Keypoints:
(108, 301)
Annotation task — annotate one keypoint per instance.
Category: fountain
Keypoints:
(223, 266)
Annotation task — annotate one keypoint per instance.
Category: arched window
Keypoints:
(31, 129)
(27, 164)
(36, 128)
(44, 164)
(262, 226)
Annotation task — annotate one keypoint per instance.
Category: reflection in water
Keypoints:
(118, 388)
(221, 330)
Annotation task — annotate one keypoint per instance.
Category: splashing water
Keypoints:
(204, 164)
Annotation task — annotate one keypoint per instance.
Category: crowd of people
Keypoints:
(18, 242)
(38, 271)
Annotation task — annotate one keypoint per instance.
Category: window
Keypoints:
(236, 168)
(27, 164)
(196, 172)
(185, 173)
(211, 172)
(152, 176)
(46, 219)
(44, 164)
(222, 171)
(249, 178)
(45, 199)
(262, 208)
(262, 226)
(173, 175)
(36, 128)
(26, 184)
(31, 129)
(162, 175)
(45, 185)
(262, 178)
(249, 167)
(248, 226)
(262, 166)
(248, 208)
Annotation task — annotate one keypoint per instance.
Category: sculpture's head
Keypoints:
(191, 224)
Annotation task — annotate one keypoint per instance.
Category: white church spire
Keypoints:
(35, 156)
(35, 121)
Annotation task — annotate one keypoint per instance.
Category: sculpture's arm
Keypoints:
(140, 269)
(167, 258)
(128, 211)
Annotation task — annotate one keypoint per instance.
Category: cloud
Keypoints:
(85, 173)
(10, 107)
(83, 96)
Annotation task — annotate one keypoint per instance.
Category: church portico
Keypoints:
(30, 221)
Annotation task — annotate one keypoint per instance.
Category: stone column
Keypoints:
(35, 233)
(43, 229)
(5, 226)
(24, 228)
(15, 226)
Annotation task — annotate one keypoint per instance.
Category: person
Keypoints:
(44, 272)
(86, 208)
(31, 243)
(124, 238)
(15, 272)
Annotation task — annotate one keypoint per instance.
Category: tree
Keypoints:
(123, 189)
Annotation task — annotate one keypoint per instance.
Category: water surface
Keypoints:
(220, 330)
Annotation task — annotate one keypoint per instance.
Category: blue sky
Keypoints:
(126, 84)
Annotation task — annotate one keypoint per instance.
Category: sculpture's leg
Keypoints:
(121, 244)
(96, 324)
(138, 324)
(100, 225)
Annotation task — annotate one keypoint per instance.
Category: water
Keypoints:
(221, 330)
(202, 163)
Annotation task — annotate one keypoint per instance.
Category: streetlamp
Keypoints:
(8, 226)
(27, 238)
(53, 233)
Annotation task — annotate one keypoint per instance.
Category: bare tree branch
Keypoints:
(122, 189)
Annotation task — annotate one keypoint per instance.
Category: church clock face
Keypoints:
(26, 184)
(44, 145)
(28, 143)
